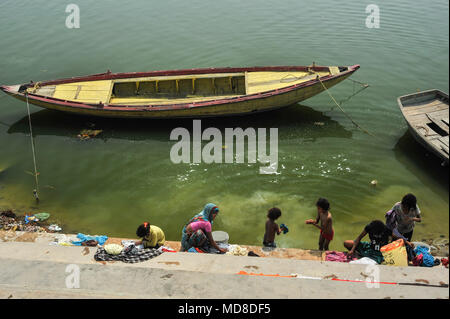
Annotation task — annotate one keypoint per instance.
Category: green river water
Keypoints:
(110, 184)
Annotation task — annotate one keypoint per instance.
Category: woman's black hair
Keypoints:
(274, 213)
(323, 203)
(409, 201)
(143, 230)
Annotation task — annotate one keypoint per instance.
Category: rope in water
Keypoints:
(339, 106)
(35, 191)
(363, 87)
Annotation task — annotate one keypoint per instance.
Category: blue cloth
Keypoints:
(284, 228)
(206, 213)
(100, 239)
(428, 260)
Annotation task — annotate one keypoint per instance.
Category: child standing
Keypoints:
(326, 223)
(272, 228)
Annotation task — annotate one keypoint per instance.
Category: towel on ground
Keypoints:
(127, 256)
(338, 256)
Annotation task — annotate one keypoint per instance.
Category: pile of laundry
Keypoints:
(421, 256)
(128, 252)
(345, 258)
(424, 258)
(338, 256)
(237, 250)
(79, 240)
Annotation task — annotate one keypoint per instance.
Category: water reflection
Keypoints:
(421, 163)
(293, 122)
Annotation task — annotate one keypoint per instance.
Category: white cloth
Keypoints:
(237, 250)
(364, 261)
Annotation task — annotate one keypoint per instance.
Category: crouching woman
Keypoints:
(197, 232)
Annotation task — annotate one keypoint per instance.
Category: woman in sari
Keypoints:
(197, 232)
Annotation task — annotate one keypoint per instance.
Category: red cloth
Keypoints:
(418, 260)
(338, 256)
(327, 236)
(444, 262)
(169, 251)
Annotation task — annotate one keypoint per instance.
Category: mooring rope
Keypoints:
(363, 87)
(35, 191)
(339, 106)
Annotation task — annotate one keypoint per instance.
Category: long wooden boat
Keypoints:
(427, 115)
(182, 93)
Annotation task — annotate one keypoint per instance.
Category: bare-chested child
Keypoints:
(326, 223)
(272, 228)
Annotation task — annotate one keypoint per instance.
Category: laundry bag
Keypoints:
(394, 254)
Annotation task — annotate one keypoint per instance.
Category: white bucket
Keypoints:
(220, 237)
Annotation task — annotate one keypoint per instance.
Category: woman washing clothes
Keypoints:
(197, 232)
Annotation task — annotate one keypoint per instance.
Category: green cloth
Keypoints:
(364, 250)
(42, 216)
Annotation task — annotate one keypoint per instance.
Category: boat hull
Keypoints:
(246, 104)
(419, 128)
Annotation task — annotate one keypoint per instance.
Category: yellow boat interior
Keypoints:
(175, 89)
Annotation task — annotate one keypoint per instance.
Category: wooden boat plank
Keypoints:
(334, 70)
(440, 145)
(438, 121)
(412, 110)
(162, 101)
(426, 132)
(423, 100)
(266, 81)
(418, 118)
(422, 105)
(439, 114)
(88, 92)
(424, 117)
(178, 77)
(444, 140)
(48, 90)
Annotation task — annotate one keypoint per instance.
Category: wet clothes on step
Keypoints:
(84, 238)
(127, 256)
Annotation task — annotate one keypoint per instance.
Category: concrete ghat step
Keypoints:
(38, 266)
(211, 263)
(41, 279)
